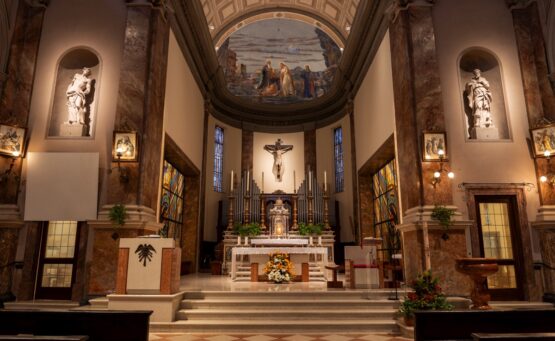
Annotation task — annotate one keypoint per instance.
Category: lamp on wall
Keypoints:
(125, 149)
(548, 178)
(9, 172)
(442, 169)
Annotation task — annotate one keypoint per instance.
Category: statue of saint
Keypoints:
(479, 100)
(277, 150)
(76, 94)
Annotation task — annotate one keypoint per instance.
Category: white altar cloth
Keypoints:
(283, 241)
(269, 250)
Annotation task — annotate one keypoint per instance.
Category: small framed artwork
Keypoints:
(126, 146)
(543, 139)
(12, 140)
(434, 146)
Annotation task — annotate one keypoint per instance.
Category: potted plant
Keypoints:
(117, 215)
(247, 230)
(427, 295)
(310, 229)
(444, 216)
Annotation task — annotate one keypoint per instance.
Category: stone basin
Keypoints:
(478, 269)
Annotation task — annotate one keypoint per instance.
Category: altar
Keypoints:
(260, 255)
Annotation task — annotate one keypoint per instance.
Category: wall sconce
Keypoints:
(548, 178)
(125, 149)
(442, 169)
(8, 172)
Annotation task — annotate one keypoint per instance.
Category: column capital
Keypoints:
(38, 3)
(518, 4)
(397, 6)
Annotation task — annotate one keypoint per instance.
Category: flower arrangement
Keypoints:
(427, 295)
(279, 268)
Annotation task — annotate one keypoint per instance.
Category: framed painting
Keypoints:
(543, 139)
(126, 146)
(12, 140)
(434, 146)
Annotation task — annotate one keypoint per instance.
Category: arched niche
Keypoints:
(75, 99)
(480, 123)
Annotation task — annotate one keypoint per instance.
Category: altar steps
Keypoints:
(284, 312)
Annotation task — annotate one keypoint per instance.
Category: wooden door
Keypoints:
(58, 259)
(497, 219)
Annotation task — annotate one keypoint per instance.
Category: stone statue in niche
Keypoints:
(277, 150)
(77, 92)
(479, 98)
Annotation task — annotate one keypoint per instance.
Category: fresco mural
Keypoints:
(279, 61)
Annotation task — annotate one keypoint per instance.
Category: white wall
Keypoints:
(374, 105)
(184, 105)
(232, 161)
(100, 26)
(490, 26)
(325, 162)
(293, 160)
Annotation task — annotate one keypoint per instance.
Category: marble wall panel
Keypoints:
(547, 245)
(8, 246)
(247, 156)
(190, 232)
(310, 150)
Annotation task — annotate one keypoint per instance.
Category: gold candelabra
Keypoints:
(295, 226)
(262, 212)
(246, 212)
(230, 212)
(326, 211)
(310, 211)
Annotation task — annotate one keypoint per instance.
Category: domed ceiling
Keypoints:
(279, 65)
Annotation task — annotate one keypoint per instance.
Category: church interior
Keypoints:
(358, 169)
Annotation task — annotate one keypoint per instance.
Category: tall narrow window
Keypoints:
(338, 156)
(171, 205)
(218, 158)
(386, 206)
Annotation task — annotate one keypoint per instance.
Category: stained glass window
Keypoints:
(338, 157)
(171, 204)
(218, 159)
(386, 205)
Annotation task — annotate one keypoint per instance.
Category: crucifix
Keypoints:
(277, 150)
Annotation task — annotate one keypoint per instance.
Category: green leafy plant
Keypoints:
(444, 216)
(252, 229)
(310, 229)
(117, 215)
(427, 295)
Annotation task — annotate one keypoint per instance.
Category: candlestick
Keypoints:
(231, 181)
(310, 181)
(248, 175)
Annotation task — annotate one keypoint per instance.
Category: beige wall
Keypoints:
(184, 105)
(232, 161)
(483, 162)
(293, 160)
(325, 162)
(374, 107)
(98, 25)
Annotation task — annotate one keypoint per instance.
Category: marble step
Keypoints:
(41, 304)
(286, 314)
(277, 326)
(285, 304)
(499, 305)
(318, 295)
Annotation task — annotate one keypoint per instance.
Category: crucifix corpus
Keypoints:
(277, 150)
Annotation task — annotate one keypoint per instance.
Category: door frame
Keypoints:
(56, 293)
(522, 244)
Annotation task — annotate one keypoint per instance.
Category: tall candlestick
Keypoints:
(231, 186)
(262, 182)
(294, 183)
(325, 181)
(248, 175)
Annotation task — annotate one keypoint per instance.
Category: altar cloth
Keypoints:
(275, 241)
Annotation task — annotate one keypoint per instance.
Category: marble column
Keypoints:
(419, 108)
(310, 151)
(15, 102)
(140, 108)
(540, 106)
(247, 150)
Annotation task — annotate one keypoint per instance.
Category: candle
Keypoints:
(320, 240)
(239, 240)
(231, 181)
(246, 240)
(262, 182)
(310, 241)
(309, 180)
(325, 181)
(248, 175)
(294, 183)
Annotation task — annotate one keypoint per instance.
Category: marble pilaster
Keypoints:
(247, 149)
(189, 234)
(545, 231)
(310, 150)
(418, 104)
